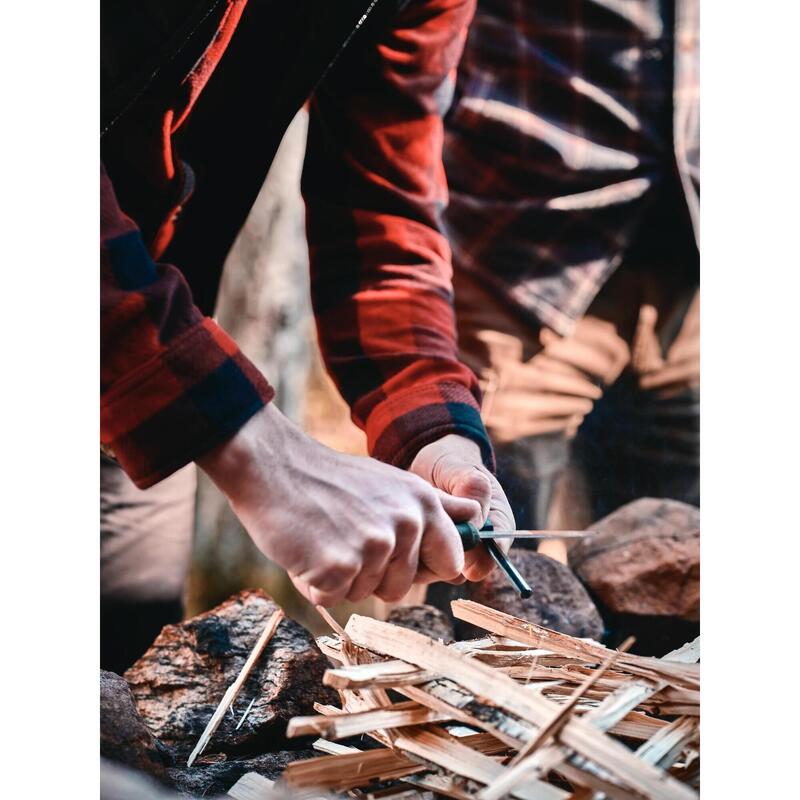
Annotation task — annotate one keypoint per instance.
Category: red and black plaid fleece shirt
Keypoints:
(174, 384)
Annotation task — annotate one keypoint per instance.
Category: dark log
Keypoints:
(205, 780)
(180, 680)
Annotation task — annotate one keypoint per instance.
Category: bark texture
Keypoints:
(208, 780)
(424, 619)
(180, 680)
(644, 560)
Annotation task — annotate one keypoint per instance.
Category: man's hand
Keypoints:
(343, 527)
(557, 388)
(453, 464)
(681, 368)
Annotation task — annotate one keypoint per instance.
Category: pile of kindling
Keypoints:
(524, 712)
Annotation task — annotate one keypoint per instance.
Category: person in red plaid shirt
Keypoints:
(572, 152)
(196, 95)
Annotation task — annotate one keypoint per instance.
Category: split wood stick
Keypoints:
(348, 770)
(688, 653)
(537, 636)
(333, 748)
(407, 679)
(378, 675)
(598, 783)
(521, 767)
(447, 752)
(440, 784)
(236, 686)
(635, 725)
(607, 716)
(252, 786)
(449, 698)
(483, 681)
(345, 651)
(664, 748)
(552, 727)
(480, 742)
(332, 623)
(340, 726)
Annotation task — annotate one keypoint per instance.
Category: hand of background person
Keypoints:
(453, 464)
(342, 526)
(680, 370)
(556, 389)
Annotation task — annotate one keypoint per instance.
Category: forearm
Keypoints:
(381, 277)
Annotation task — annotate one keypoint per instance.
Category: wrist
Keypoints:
(453, 445)
(236, 465)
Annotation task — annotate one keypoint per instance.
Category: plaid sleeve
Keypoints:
(173, 383)
(381, 276)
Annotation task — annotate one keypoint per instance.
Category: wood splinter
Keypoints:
(236, 686)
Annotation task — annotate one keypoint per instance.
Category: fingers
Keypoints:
(441, 550)
(685, 374)
(376, 560)
(685, 346)
(402, 567)
(508, 430)
(594, 348)
(326, 587)
(603, 335)
(576, 354)
(478, 562)
(463, 509)
(542, 374)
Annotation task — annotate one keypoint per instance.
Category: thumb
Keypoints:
(461, 509)
(464, 479)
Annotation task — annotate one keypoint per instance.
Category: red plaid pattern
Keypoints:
(569, 119)
(174, 384)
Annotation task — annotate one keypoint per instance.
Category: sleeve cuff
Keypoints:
(399, 427)
(175, 408)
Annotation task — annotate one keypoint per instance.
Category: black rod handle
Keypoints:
(511, 572)
(469, 535)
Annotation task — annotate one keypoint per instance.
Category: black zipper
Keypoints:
(175, 53)
(344, 44)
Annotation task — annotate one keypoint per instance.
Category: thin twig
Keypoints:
(236, 686)
(334, 625)
(246, 712)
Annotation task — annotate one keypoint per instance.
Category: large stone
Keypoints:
(644, 560)
(559, 601)
(124, 738)
(179, 681)
(424, 619)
